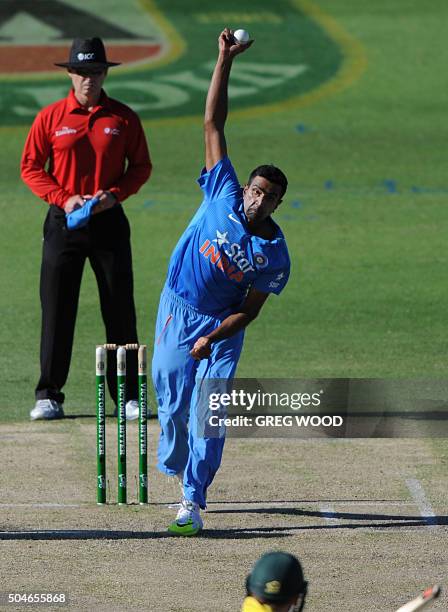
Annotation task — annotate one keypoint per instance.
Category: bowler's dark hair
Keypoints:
(271, 173)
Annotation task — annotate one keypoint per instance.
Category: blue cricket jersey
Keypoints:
(217, 259)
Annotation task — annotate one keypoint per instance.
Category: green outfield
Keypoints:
(349, 99)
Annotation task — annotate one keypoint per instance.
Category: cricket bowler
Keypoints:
(228, 261)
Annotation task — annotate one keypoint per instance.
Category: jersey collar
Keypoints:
(73, 104)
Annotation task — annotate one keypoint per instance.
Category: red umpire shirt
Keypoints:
(71, 150)
(86, 151)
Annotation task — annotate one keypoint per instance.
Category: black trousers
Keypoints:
(105, 241)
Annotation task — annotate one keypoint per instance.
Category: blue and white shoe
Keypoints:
(46, 410)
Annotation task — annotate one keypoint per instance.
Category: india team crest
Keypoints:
(261, 260)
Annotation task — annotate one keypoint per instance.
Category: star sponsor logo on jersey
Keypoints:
(231, 259)
(64, 131)
(280, 276)
(221, 238)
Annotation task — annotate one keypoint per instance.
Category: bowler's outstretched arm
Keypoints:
(216, 105)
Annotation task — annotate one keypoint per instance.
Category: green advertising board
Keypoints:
(167, 50)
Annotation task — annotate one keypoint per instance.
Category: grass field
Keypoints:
(364, 149)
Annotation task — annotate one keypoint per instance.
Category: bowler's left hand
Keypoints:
(202, 348)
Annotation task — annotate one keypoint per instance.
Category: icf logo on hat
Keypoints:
(86, 56)
(87, 52)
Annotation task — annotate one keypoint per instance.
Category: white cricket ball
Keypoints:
(241, 36)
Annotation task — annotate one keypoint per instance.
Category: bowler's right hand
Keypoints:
(228, 48)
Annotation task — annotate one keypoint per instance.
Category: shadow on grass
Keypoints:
(241, 533)
(303, 501)
(353, 516)
(97, 534)
(263, 532)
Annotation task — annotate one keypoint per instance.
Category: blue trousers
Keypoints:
(177, 378)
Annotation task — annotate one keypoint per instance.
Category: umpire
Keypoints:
(85, 145)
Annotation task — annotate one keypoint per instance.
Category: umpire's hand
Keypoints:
(74, 202)
(107, 200)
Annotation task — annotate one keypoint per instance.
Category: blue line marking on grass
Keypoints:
(382, 188)
(426, 190)
(301, 128)
(149, 203)
(390, 185)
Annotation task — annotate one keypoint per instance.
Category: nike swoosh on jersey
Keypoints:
(233, 219)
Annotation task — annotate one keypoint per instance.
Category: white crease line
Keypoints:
(425, 508)
(36, 505)
(328, 513)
